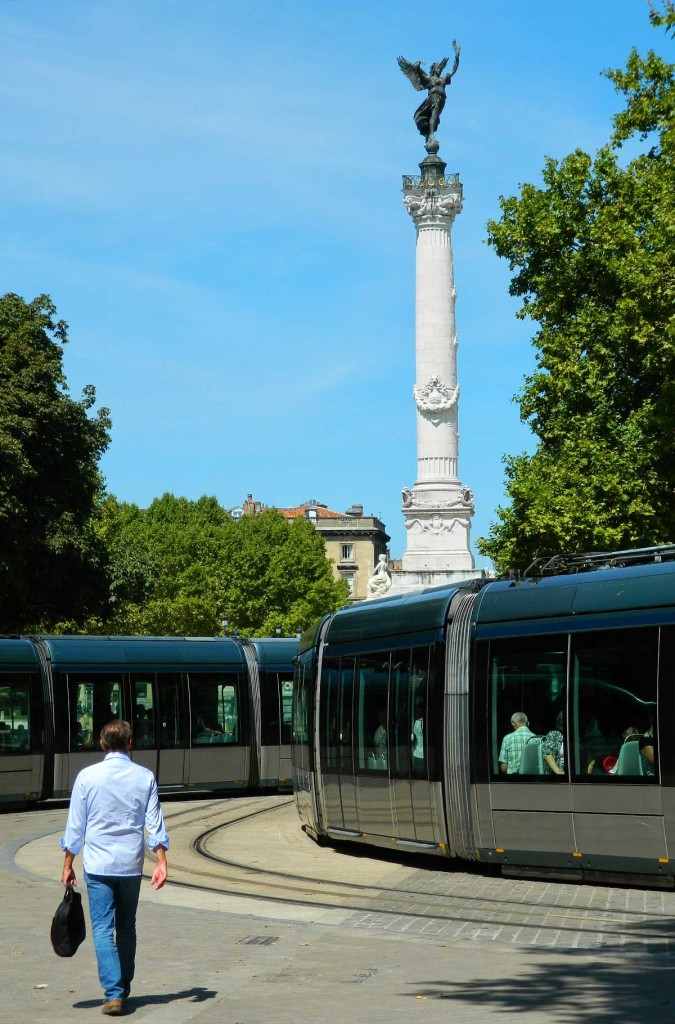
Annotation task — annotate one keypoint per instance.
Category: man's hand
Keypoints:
(161, 872)
(159, 876)
(68, 876)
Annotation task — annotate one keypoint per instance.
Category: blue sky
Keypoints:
(210, 192)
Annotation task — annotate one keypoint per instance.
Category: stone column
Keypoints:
(438, 509)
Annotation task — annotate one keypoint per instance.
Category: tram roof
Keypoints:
(18, 652)
(143, 652)
(617, 589)
(421, 612)
(275, 652)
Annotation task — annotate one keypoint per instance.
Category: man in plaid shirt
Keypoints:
(514, 744)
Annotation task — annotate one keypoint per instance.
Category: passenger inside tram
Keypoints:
(142, 728)
(204, 733)
(21, 740)
(80, 736)
(596, 744)
(380, 740)
(553, 748)
(513, 744)
(647, 745)
(418, 731)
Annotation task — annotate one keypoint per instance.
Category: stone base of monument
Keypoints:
(406, 581)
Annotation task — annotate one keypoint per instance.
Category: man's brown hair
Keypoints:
(116, 735)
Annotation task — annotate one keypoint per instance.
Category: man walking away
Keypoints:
(111, 803)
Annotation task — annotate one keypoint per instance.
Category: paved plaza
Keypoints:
(321, 935)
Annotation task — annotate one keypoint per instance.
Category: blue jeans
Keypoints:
(113, 900)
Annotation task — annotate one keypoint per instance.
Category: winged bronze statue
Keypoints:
(428, 114)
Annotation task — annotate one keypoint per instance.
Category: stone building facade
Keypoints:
(354, 541)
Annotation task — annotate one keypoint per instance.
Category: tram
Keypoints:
(210, 714)
(408, 714)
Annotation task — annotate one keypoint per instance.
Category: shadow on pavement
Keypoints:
(631, 983)
(193, 995)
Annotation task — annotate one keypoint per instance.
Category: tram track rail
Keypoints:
(537, 905)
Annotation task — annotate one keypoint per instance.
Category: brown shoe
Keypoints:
(113, 1008)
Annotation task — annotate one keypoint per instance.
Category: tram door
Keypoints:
(336, 744)
(144, 732)
(285, 773)
(21, 759)
(95, 698)
(401, 723)
(158, 726)
(421, 703)
(409, 702)
(371, 727)
(170, 720)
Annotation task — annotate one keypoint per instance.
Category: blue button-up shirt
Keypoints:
(111, 803)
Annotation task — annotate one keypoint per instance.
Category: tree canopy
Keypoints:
(52, 565)
(593, 255)
(179, 566)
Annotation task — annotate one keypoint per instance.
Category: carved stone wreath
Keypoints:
(435, 396)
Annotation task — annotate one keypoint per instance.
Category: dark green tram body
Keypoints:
(274, 659)
(409, 702)
(21, 735)
(197, 709)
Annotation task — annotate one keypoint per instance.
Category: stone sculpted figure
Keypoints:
(428, 114)
(379, 583)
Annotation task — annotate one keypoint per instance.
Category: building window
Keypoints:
(347, 552)
(311, 513)
(349, 577)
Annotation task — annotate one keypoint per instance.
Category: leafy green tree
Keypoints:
(593, 255)
(278, 575)
(52, 565)
(177, 567)
(166, 566)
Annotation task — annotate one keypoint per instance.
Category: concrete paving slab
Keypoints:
(218, 962)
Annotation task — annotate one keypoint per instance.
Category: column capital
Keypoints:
(432, 202)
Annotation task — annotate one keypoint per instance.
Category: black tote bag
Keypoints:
(68, 927)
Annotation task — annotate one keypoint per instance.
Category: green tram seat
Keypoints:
(630, 761)
(532, 759)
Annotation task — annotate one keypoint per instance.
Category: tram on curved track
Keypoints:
(409, 714)
(210, 714)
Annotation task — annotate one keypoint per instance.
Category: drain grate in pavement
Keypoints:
(258, 940)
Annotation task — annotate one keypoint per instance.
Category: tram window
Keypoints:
(270, 702)
(215, 708)
(401, 713)
(15, 713)
(300, 706)
(527, 676)
(372, 712)
(143, 711)
(419, 717)
(276, 707)
(614, 704)
(301, 720)
(346, 759)
(170, 711)
(330, 680)
(94, 701)
(286, 696)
